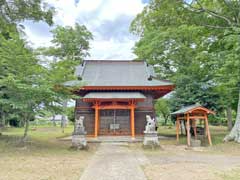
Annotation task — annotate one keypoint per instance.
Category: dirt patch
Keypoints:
(180, 162)
(180, 171)
(24, 164)
(43, 160)
(51, 167)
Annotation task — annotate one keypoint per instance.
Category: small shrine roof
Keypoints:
(191, 108)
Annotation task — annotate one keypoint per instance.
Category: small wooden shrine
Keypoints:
(190, 115)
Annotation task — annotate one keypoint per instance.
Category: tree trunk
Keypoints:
(54, 120)
(235, 132)
(64, 118)
(63, 123)
(3, 119)
(165, 119)
(229, 118)
(26, 128)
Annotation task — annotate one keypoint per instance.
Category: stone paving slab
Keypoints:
(112, 139)
(115, 161)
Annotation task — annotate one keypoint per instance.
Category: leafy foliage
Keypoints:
(26, 86)
(195, 44)
(70, 46)
(163, 109)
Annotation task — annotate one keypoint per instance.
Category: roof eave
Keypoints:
(160, 87)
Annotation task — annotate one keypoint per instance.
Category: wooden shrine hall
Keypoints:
(190, 114)
(116, 96)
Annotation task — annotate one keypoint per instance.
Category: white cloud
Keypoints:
(114, 8)
(37, 33)
(108, 20)
(112, 50)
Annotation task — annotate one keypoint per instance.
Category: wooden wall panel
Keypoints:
(140, 120)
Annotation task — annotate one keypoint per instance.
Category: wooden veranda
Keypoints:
(193, 113)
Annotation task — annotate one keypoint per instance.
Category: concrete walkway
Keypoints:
(114, 161)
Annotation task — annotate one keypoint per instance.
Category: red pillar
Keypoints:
(96, 119)
(132, 120)
(188, 130)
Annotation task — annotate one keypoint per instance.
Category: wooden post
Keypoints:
(195, 128)
(207, 130)
(132, 121)
(205, 126)
(177, 129)
(96, 119)
(99, 119)
(188, 130)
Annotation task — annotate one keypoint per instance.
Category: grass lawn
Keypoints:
(44, 157)
(217, 135)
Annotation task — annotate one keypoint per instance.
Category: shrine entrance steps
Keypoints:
(115, 139)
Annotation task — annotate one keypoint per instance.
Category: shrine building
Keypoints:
(115, 96)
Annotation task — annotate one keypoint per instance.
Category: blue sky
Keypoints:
(108, 20)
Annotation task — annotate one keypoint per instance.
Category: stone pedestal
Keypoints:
(79, 135)
(79, 142)
(150, 140)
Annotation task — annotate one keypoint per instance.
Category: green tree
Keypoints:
(24, 89)
(162, 109)
(20, 72)
(70, 47)
(194, 44)
(13, 12)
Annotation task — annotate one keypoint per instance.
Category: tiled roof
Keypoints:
(186, 109)
(118, 73)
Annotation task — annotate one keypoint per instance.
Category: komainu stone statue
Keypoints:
(79, 128)
(151, 124)
(150, 133)
(79, 135)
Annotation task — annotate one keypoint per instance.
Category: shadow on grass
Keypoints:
(41, 141)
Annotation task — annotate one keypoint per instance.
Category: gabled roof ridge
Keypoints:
(112, 60)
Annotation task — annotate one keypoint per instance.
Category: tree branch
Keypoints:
(215, 27)
(208, 11)
(235, 10)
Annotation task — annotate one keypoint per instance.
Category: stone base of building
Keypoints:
(150, 140)
(195, 143)
(79, 142)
